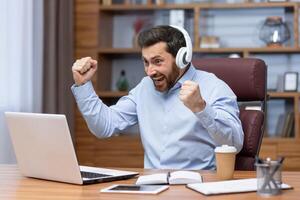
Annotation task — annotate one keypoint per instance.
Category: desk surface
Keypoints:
(15, 186)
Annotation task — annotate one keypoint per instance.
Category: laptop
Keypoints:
(44, 150)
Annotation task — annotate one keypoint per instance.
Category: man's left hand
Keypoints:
(191, 97)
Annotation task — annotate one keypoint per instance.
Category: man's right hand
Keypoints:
(83, 70)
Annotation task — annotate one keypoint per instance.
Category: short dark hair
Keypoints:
(172, 36)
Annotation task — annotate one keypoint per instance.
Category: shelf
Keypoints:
(249, 50)
(131, 7)
(283, 94)
(118, 51)
(278, 139)
(111, 94)
(209, 50)
(272, 50)
(117, 94)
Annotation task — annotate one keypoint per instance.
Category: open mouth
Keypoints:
(158, 80)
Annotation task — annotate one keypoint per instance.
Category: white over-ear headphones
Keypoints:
(184, 54)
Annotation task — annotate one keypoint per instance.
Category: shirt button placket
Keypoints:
(165, 135)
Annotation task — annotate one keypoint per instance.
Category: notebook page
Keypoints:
(232, 186)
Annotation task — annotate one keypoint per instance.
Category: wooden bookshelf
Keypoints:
(126, 7)
(248, 50)
(198, 7)
(295, 97)
(284, 94)
(280, 95)
(93, 37)
(278, 139)
(208, 50)
(280, 146)
(111, 94)
(118, 51)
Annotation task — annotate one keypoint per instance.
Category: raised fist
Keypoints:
(83, 70)
(191, 97)
(82, 65)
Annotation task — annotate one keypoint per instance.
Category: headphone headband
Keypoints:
(184, 54)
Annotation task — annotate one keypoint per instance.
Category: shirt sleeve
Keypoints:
(104, 121)
(221, 120)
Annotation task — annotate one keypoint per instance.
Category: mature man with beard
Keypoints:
(182, 113)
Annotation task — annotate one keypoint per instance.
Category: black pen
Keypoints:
(168, 176)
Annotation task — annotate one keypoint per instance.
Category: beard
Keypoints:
(164, 82)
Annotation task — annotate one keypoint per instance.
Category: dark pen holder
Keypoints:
(268, 175)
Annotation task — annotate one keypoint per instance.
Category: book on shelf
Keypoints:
(252, 107)
(290, 125)
(172, 178)
(280, 125)
(177, 18)
(285, 125)
(279, 87)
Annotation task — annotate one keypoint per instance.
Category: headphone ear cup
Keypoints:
(180, 57)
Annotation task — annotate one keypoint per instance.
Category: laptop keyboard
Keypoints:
(85, 174)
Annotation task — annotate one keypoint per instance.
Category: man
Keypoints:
(183, 113)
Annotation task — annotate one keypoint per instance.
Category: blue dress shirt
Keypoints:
(172, 135)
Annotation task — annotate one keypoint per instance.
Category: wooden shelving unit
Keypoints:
(150, 6)
(271, 94)
(197, 8)
(111, 94)
(294, 95)
(244, 51)
(94, 30)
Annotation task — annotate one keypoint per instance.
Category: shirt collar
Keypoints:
(188, 75)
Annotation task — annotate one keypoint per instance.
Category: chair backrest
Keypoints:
(247, 78)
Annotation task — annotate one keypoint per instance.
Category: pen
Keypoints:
(168, 176)
(269, 177)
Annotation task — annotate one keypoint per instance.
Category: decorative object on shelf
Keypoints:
(209, 42)
(274, 32)
(277, 0)
(177, 1)
(122, 83)
(237, 1)
(234, 55)
(138, 25)
(106, 2)
(159, 2)
(290, 81)
(279, 83)
(135, 2)
(200, 1)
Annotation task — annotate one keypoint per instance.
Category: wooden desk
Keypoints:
(15, 186)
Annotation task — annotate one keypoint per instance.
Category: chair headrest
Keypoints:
(245, 76)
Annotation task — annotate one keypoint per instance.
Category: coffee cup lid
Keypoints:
(225, 149)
